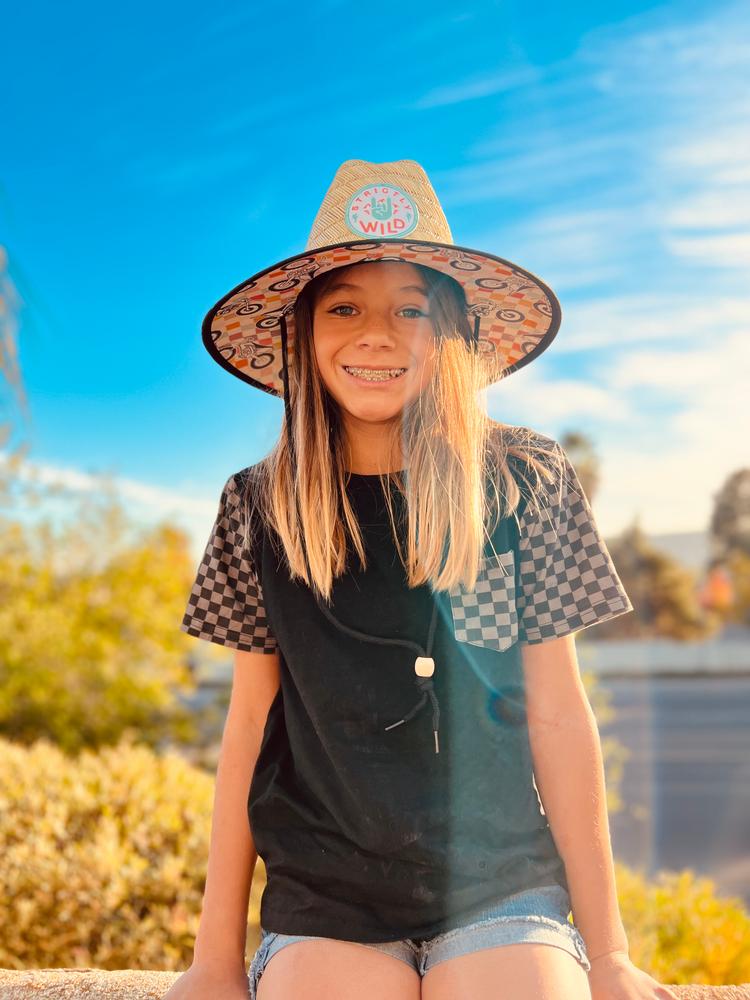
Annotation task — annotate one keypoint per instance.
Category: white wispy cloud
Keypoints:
(145, 503)
(706, 215)
(621, 321)
(650, 260)
(546, 163)
(707, 208)
(542, 401)
(479, 86)
(670, 423)
(705, 438)
(573, 249)
(718, 250)
(653, 117)
(724, 154)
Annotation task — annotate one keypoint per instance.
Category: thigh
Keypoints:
(330, 969)
(525, 971)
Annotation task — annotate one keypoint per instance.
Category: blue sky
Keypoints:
(157, 155)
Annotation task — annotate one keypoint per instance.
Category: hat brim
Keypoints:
(518, 314)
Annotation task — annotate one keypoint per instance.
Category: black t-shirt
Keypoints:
(368, 834)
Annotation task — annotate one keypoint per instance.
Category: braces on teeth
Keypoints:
(375, 374)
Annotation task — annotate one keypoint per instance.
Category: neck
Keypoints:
(367, 454)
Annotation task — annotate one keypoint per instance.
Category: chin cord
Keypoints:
(424, 665)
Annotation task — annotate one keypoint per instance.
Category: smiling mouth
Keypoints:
(374, 374)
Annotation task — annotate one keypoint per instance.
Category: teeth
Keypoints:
(375, 375)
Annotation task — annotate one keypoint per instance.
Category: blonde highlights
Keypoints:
(458, 485)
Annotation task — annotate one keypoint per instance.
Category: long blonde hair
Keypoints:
(454, 451)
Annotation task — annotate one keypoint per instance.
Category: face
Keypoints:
(374, 316)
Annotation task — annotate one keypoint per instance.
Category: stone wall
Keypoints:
(87, 984)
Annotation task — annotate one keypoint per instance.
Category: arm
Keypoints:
(566, 581)
(222, 933)
(569, 774)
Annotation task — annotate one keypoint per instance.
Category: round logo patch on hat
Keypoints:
(381, 210)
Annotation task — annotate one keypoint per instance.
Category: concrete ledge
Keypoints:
(81, 984)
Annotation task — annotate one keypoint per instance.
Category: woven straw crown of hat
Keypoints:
(371, 212)
(330, 225)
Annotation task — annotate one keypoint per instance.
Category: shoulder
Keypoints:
(539, 465)
(526, 449)
(237, 500)
(245, 501)
(243, 485)
(523, 441)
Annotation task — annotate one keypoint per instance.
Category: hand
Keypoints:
(206, 982)
(614, 977)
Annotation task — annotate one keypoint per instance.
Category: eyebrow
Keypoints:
(348, 284)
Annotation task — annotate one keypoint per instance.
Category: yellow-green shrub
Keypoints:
(90, 645)
(680, 931)
(102, 857)
(103, 863)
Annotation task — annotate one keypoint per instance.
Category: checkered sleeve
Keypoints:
(566, 577)
(226, 600)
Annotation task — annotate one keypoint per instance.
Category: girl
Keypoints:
(401, 579)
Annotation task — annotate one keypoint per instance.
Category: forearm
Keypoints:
(569, 773)
(222, 932)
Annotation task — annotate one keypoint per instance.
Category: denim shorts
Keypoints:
(538, 915)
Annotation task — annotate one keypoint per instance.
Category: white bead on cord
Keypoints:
(424, 666)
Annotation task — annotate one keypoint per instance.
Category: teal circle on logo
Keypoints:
(381, 211)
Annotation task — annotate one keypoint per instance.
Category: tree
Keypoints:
(729, 528)
(580, 450)
(663, 592)
(737, 567)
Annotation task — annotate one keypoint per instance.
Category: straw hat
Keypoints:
(380, 211)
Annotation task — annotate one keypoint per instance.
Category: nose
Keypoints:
(379, 320)
(379, 324)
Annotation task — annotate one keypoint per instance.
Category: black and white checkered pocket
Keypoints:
(487, 616)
